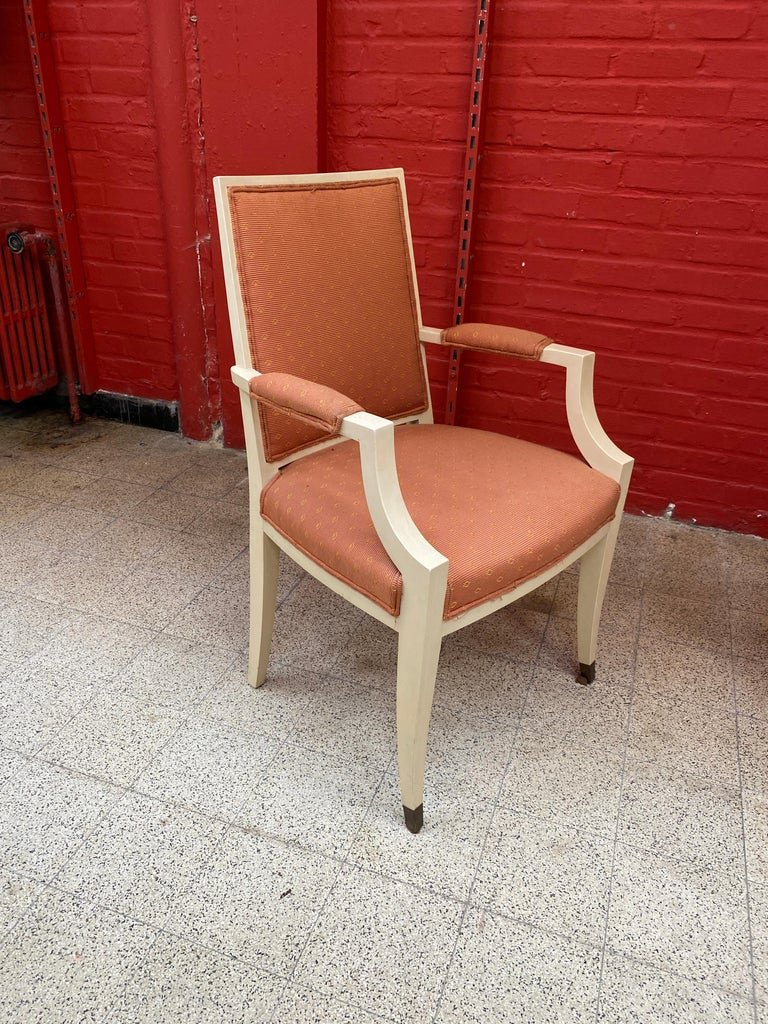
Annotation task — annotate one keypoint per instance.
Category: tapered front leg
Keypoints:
(418, 653)
(265, 565)
(594, 570)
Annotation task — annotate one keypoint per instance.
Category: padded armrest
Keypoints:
(316, 404)
(508, 341)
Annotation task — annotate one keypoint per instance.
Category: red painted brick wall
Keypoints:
(623, 207)
(102, 64)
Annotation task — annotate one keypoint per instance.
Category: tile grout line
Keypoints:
(499, 790)
(752, 971)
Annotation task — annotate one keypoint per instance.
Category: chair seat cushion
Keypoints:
(500, 509)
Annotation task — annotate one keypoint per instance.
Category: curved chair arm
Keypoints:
(398, 533)
(591, 440)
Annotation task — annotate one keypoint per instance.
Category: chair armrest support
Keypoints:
(402, 540)
(375, 436)
(587, 431)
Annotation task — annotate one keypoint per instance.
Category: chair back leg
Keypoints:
(594, 569)
(265, 565)
(418, 653)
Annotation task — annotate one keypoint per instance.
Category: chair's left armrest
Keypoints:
(592, 441)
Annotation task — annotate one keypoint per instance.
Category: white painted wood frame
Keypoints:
(420, 624)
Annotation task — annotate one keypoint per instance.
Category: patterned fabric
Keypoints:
(487, 337)
(314, 403)
(326, 281)
(501, 510)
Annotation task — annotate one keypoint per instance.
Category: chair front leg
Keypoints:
(265, 565)
(418, 653)
(594, 569)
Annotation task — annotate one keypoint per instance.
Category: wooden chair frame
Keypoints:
(420, 625)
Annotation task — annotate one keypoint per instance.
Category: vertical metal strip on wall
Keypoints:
(483, 24)
(52, 123)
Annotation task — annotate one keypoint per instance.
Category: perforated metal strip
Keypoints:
(483, 25)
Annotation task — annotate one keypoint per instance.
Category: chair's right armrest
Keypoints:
(314, 403)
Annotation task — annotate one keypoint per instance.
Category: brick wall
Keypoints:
(102, 65)
(623, 207)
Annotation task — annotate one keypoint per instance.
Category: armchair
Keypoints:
(425, 527)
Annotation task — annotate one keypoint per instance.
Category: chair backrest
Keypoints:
(321, 284)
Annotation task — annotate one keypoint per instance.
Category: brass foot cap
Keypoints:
(586, 674)
(414, 819)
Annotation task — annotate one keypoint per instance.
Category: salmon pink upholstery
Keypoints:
(501, 510)
(316, 404)
(326, 281)
(510, 341)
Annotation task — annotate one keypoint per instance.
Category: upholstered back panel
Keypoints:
(326, 280)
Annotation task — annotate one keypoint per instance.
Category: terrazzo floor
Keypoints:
(178, 847)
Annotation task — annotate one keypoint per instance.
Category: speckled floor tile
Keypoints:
(109, 499)
(50, 483)
(141, 856)
(758, 911)
(312, 625)
(17, 893)
(444, 856)
(180, 983)
(573, 785)
(683, 816)
(10, 762)
(27, 624)
(489, 687)
(209, 767)
(22, 562)
(633, 993)
(699, 623)
(560, 711)
(45, 814)
(173, 510)
(505, 972)
(303, 1006)
(67, 962)
(273, 707)
(676, 671)
(545, 875)
(173, 672)
(89, 650)
(311, 799)
(615, 652)
(678, 736)
(35, 706)
(381, 944)
(60, 527)
(368, 657)
(255, 899)
(756, 834)
(750, 633)
(127, 542)
(751, 679)
(466, 756)
(349, 721)
(513, 633)
(18, 513)
(753, 753)
(112, 737)
(680, 917)
(214, 616)
(212, 473)
(621, 605)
